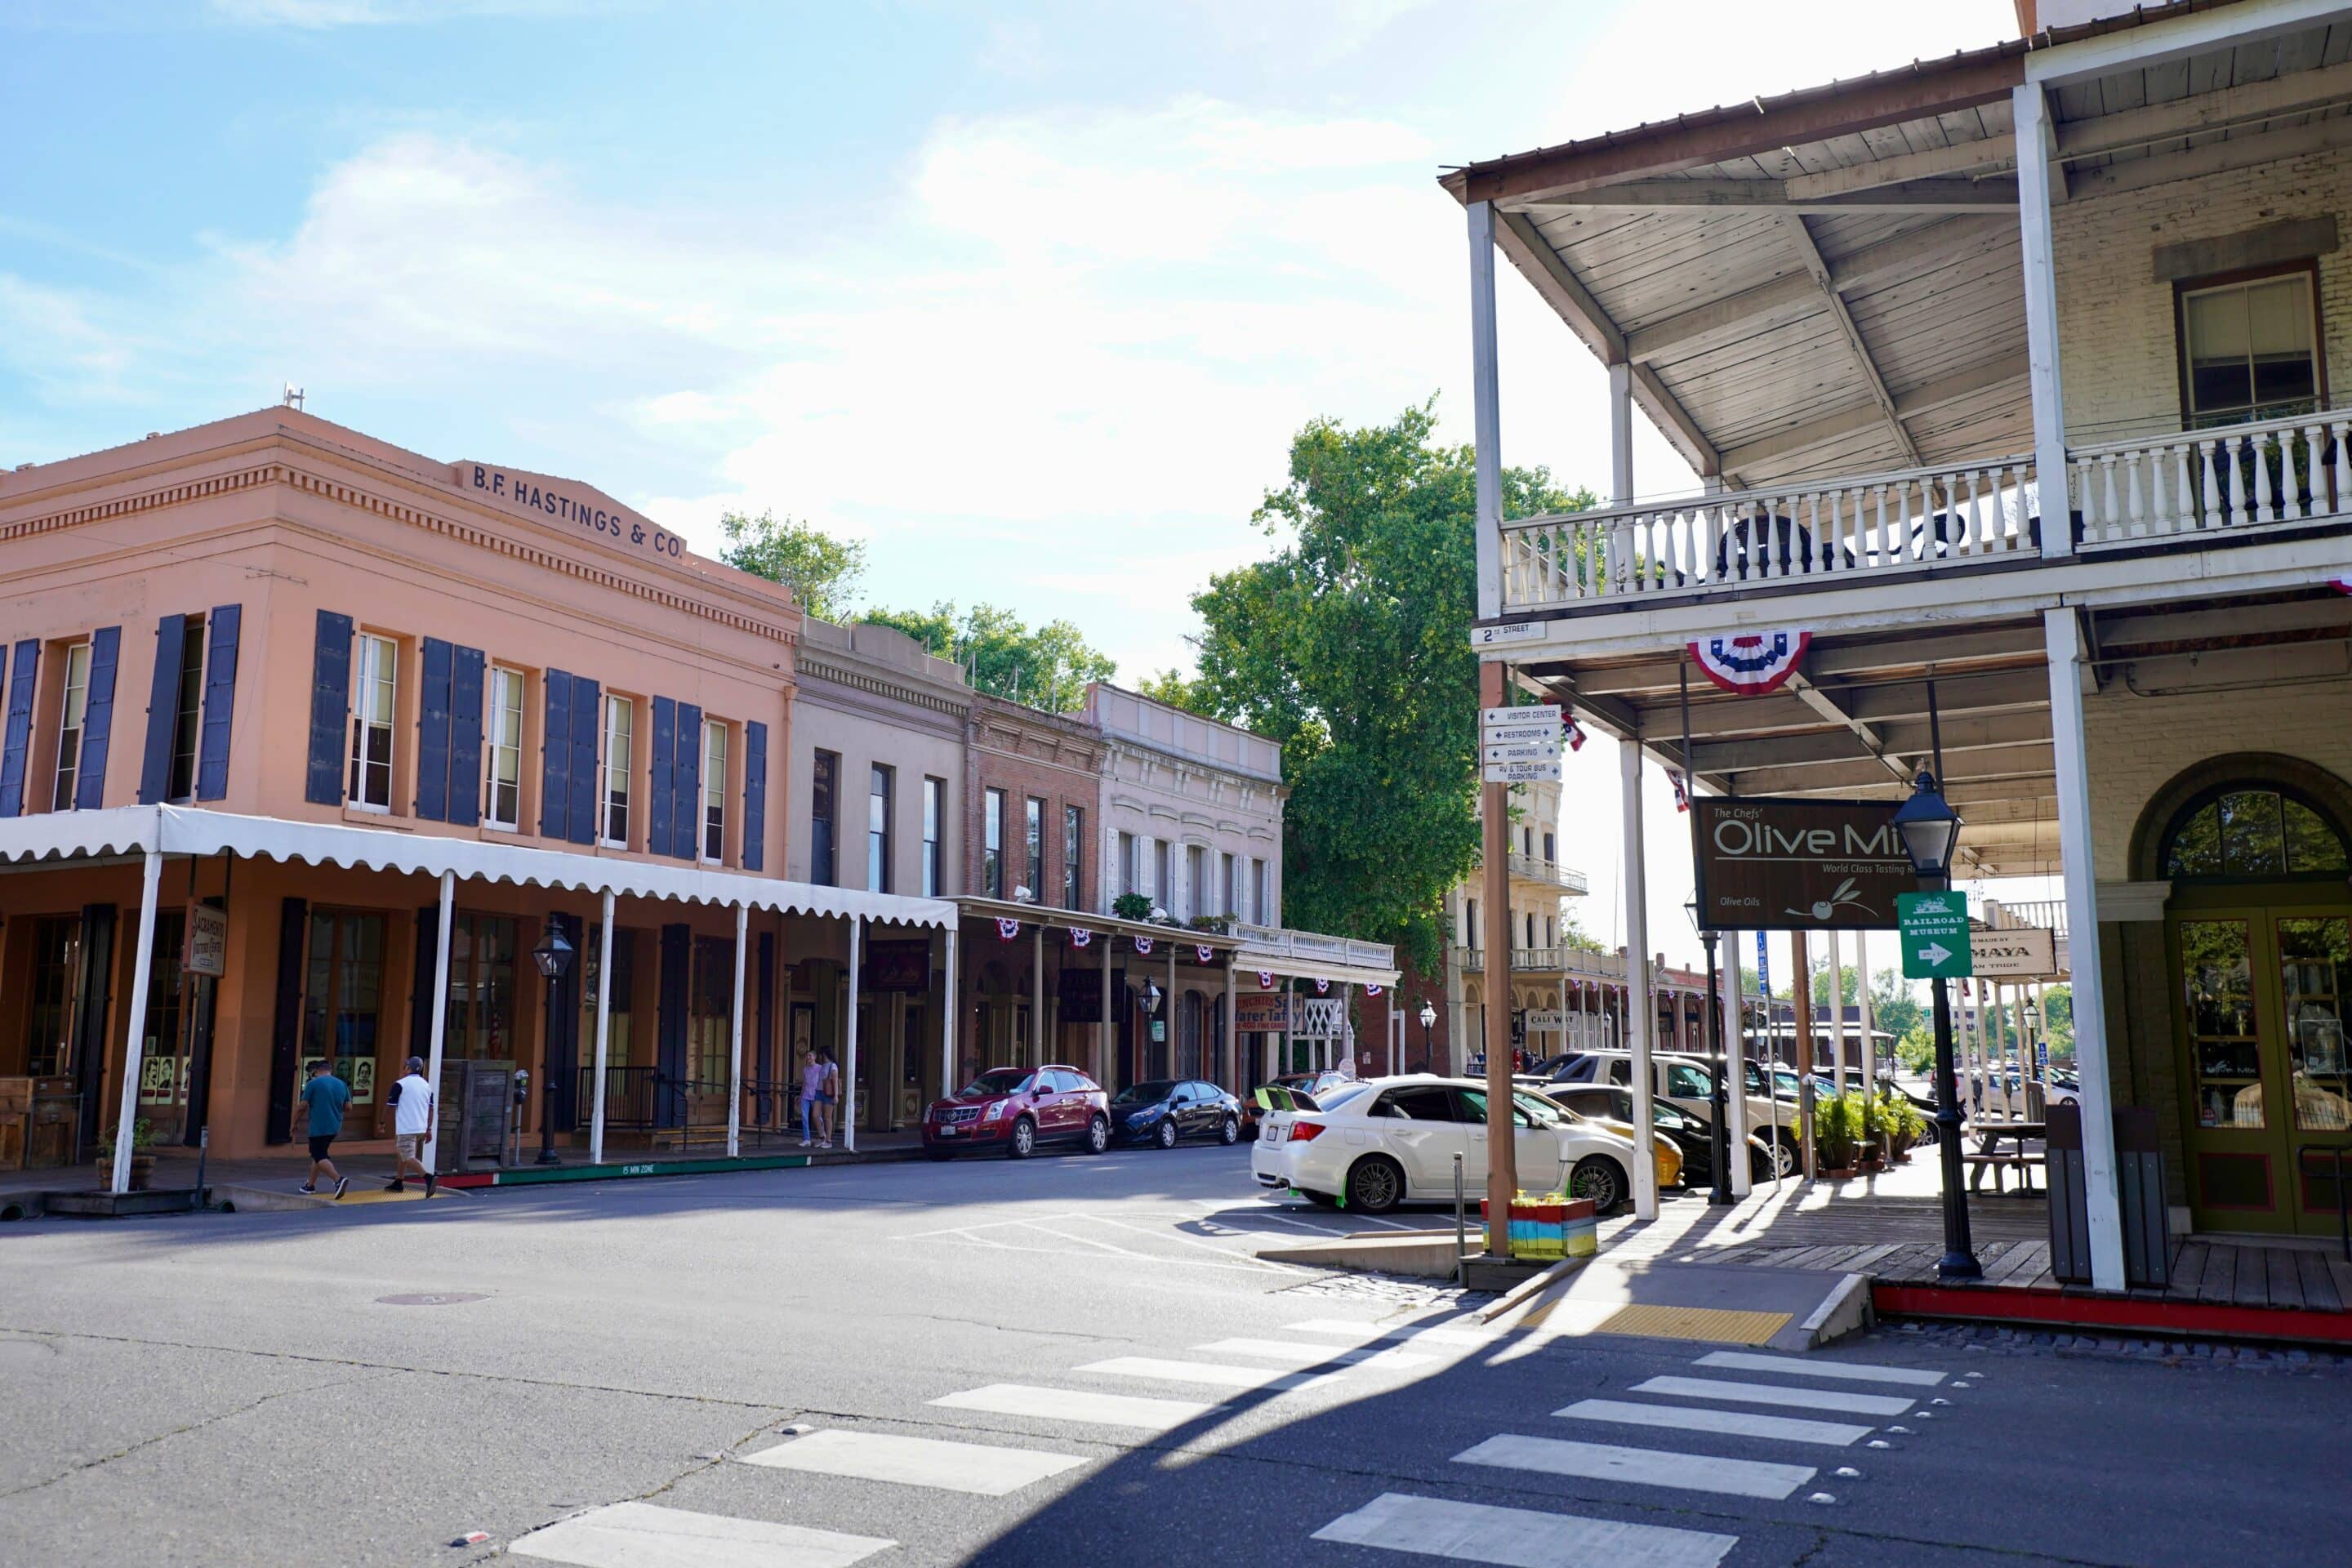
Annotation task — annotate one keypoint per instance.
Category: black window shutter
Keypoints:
(659, 791)
(220, 701)
(286, 1029)
(162, 708)
(585, 693)
(669, 1027)
(686, 783)
(98, 719)
(555, 757)
(330, 709)
(420, 994)
(563, 1032)
(18, 734)
(465, 738)
(432, 733)
(755, 795)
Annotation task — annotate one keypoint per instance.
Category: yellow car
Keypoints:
(1670, 1154)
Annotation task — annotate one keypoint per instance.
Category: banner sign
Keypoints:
(897, 963)
(206, 951)
(1259, 1012)
(1772, 863)
(2028, 952)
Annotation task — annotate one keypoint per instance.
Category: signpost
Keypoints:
(1772, 863)
(1935, 935)
(2020, 952)
(1521, 745)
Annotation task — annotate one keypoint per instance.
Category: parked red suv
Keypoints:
(1017, 1108)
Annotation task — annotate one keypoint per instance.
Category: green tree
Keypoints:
(1350, 645)
(1895, 1004)
(1046, 667)
(1916, 1047)
(1171, 687)
(2058, 1022)
(822, 572)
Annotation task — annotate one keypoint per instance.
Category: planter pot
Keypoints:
(142, 1167)
(1840, 1173)
(1874, 1164)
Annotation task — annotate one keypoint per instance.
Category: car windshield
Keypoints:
(1150, 1093)
(995, 1081)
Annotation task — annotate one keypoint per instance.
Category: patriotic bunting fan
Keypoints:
(1008, 929)
(1080, 936)
(2341, 582)
(1202, 950)
(1371, 990)
(1682, 792)
(1266, 979)
(1751, 663)
(1321, 986)
(1143, 944)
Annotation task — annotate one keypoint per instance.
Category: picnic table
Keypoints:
(1990, 1136)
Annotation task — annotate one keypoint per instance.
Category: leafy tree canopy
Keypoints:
(823, 573)
(1350, 645)
(1047, 666)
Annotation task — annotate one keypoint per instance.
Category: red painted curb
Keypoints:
(2201, 1318)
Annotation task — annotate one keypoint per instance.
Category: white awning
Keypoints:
(68, 836)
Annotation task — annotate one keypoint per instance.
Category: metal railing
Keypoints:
(1277, 942)
(646, 1100)
(1581, 963)
(1830, 529)
(1529, 868)
(2289, 470)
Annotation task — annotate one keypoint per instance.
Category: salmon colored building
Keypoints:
(374, 726)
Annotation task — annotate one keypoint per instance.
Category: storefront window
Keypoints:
(709, 1013)
(57, 953)
(162, 1062)
(2254, 833)
(343, 998)
(2313, 956)
(482, 1020)
(2225, 1051)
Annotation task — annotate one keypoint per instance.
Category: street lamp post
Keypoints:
(1718, 1194)
(1428, 1020)
(553, 956)
(1930, 827)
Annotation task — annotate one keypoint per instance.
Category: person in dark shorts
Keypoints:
(326, 1095)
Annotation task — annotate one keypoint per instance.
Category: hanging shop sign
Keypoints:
(1935, 935)
(1771, 863)
(1751, 663)
(2020, 952)
(895, 963)
(1261, 1012)
(1080, 990)
(206, 951)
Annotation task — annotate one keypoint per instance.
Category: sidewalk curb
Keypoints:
(1847, 1310)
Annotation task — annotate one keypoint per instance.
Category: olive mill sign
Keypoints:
(1767, 863)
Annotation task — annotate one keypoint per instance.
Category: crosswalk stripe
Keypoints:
(1776, 1394)
(1313, 1355)
(1727, 1423)
(641, 1535)
(1209, 1374)
(1798, 1366)
(1519, 1537)
(979, 1469)
(1640, 1466)
(1367, 1332)
(1066, 1404)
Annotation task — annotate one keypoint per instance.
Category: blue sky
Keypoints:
(1030, 296)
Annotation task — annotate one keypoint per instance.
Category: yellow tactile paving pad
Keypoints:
(378, 1195)
(1714, 1324)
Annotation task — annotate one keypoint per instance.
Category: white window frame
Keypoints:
(375, 666)
(502, 736)
(712, 817)
(2252, 410)
(613, 773)
(73, 719)
(935, 791)
(194, 642)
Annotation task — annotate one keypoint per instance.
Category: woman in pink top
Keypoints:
(817, 1080)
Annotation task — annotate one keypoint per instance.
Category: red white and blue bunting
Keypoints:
(1575, 733)
(1682, 792)
(1266, 979)
(1371, 990)
(1080, 936)
(1750, 664)
(1321, 986)
(1203, 950)
(2341, 582)
(1143, 944)
(1007, 930)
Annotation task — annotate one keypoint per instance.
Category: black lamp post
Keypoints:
(1719, 1193)
(1428, 1021)
(1930, 829)
(553, 956)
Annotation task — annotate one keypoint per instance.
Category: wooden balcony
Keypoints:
(2297, 468)
(1546, 873)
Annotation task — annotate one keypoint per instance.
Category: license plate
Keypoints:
(948, 1131)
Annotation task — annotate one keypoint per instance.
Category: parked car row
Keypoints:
(1018, 1110)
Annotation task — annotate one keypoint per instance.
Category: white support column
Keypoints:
(1869, 1012)
(603, 1032)
(1839, 1051)
(1641, 1005)
(126, 1120)
(1486, 396)
(734, 1039)
(1621, 434)
(1735, 1083)
(1037, 995)
(950, 1005)
(849, 1041)
(1233, 1063)
(440, 1013)
(2030, 112)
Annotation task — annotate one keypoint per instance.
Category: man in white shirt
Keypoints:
(412, 1121)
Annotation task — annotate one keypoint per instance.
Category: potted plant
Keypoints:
(1215, 925)
(1131, 906)
(1837, 1136)
(143, 1154)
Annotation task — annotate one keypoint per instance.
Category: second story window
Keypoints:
(502, 741)
(1261, 907)
(375, 663)
(1471, 937)
(714, 790)
(992, 854)
(620, 733)
(2250, 349)
(878, 830)
(187, 717)
(1196, 880)
(1127, 870)
(825, 794)
(934, 813)
(1032, 840)
(72, 714)
(1551, 848)
(1074, 858)
(1163, 887)
(1231, 910)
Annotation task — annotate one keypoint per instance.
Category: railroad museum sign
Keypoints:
(1769, 863)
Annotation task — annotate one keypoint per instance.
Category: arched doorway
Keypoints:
(2259, 943)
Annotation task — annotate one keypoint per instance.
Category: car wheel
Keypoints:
(1165, 1133)
(1784, 1157)
(1600, 1179)
(1098, 1134)
(937, 1155)
(1375, 1185)
(1024, 1141)
(1927, 1135)
(1230, 1133)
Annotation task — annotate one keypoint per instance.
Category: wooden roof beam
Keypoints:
(1991, 195)
(1959, 158)
(2131, 128)
(1793, 226)
(1908, 738)
(1927, 396)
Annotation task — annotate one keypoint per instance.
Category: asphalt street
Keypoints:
(1074, 1359)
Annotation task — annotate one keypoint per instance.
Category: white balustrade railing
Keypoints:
(2234, 475)
(1825, 530)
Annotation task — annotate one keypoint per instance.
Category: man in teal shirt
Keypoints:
(326, 1095)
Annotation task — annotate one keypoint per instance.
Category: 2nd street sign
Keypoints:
(1934, 929)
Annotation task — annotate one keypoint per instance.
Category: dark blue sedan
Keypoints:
(1168, 1111)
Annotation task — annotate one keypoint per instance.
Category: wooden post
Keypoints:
(849, 1042)
(1837, 1012)
(1233, 1040)
(1037, 996)
(440, 1015)
(1642, 1003)
(1734, 1067)
(142, 968)
(1802, 1034)
(735, 1037)
(1869, 1012)
(2037, 258)
(1502, 1164)
(1108, 1032)
(1486, 409)
(950, 1005)
(603, 1032)
(1621, 434)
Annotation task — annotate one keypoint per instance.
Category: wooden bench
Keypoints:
(2000, 1166)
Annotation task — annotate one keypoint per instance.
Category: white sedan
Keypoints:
(1392, 1140)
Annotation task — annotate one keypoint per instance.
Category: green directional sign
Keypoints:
(1934, 928)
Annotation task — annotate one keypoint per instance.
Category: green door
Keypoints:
(2263, 1066)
